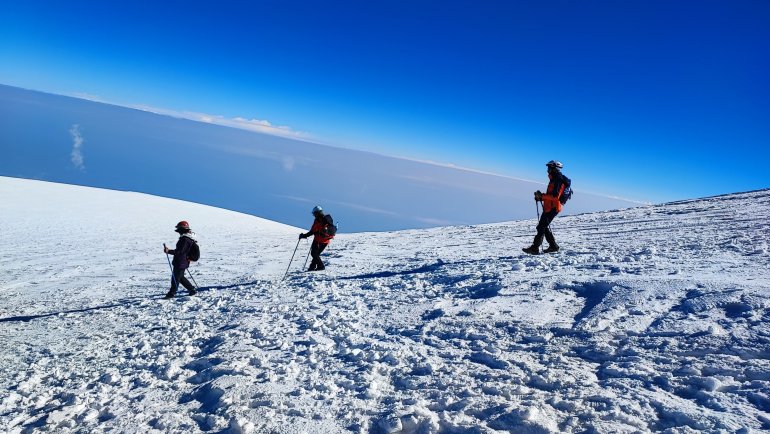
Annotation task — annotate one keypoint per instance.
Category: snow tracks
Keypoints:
(651, 319)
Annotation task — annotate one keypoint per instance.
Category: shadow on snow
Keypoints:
(120, 303)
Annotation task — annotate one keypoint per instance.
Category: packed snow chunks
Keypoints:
(195, 252)
(567, 193)
(330, 229)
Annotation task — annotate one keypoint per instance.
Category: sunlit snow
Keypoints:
(649, 319)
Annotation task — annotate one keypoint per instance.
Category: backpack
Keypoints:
(195, 252)
(567, 193)
(330, 229)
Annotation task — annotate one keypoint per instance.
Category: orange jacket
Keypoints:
(553, 193)
(318, 232)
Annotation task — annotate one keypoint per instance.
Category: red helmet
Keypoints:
(183, 225)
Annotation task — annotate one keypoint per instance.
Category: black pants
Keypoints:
(179, 278)
(543, 230)
(315, 252)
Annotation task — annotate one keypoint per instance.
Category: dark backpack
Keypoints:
(330, 229)
(567, 193)
(195, 252)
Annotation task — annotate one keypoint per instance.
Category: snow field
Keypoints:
(650, 319)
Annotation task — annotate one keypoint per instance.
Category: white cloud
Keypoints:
(88, 96)
(77, 142)
(288, 163)
(365, 208)
(294, 198)
(258, 125)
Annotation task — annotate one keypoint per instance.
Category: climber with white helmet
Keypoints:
(556, 195)
(323, 230)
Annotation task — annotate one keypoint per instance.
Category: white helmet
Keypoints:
(554, 163)
(317, 209)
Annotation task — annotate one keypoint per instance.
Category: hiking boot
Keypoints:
(532, 250)
(551, 249)
(191, 292)
(170, 294)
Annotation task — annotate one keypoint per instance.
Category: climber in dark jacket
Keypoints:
(181, 259)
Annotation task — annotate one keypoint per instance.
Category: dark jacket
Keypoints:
(182, 251)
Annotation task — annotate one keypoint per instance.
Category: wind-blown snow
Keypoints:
(650, 319)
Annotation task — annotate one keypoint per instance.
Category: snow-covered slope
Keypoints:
(651, 319)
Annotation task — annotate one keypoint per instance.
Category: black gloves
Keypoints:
(302, 236)
(538, 196)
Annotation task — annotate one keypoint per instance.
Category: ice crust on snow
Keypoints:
(653, 319)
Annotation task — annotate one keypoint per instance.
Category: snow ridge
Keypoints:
(651, 319)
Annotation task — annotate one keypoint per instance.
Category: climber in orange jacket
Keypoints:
(553, 200)
(322, 230)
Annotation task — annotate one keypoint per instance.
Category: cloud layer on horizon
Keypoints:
(278, 178)
(258, 125)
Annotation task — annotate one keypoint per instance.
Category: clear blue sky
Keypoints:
(650, 100)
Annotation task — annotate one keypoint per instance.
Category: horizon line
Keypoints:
(265, 127)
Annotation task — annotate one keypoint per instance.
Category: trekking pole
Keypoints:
(173, 279)
(193, 279)
(291, 260)
(537, 208)
(308, 255)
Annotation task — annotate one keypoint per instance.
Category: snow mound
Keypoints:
(650, 319)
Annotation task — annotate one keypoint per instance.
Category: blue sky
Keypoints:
(649, 100)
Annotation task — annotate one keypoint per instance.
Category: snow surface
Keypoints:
(650, 319)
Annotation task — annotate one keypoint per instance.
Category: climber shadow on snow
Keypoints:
(130, 301)
(428, 268)
(241, 285)
(463, 285)
(120, 303)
